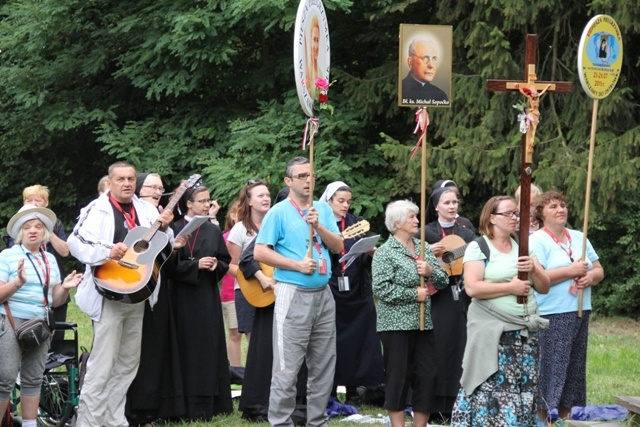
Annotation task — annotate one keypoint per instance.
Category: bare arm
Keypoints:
(235, 251)
(576, 269)
(59, 245)
(61, 290)
(476, 287)
(592, 277)
(266, 254)
(541, 281)
(333, 240)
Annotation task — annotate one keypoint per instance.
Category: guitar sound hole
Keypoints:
(141, 246)
(447, 257)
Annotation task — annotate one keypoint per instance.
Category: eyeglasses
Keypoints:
(428, 59)
(155, 188)
(304, 176)
(256, 182)
(508, 214)
(204, 201)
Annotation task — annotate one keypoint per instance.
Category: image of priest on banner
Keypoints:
(417, 87)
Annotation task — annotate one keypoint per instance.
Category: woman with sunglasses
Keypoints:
(500, 364)
(202, 263)
(254, 200)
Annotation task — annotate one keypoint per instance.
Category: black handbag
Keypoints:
(32, 333)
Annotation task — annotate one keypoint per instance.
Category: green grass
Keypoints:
(613, 366)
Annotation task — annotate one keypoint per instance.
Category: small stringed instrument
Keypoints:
(258, 297)
(133, 278)
(450, 259)
(357, 229)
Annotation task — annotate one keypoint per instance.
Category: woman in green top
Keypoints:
(500, 364)
(397, 267)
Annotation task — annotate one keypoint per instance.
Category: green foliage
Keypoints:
(619, 249)
(179, 86)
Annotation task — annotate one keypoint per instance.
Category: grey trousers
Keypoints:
(304, 325)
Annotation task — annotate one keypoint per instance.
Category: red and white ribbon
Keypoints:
(421, 125)
(314, 122)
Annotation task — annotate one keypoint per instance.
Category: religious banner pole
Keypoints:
(311, 64)
(532, 90)
(312, 133)
(424, 79)
(424, 117)
(599, 64)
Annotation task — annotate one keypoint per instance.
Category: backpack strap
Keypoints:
(484, 247)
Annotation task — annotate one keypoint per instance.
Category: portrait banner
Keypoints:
(311, 52)
(600, 56)
(425, 65)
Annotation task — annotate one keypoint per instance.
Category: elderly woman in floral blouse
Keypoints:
(397, 267)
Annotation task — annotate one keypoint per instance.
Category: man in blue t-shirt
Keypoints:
(304, 314)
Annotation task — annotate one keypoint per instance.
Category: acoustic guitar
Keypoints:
(258, 297)
(133, 278)
(450, 259)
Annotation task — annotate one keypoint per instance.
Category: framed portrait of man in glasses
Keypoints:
(424, 65)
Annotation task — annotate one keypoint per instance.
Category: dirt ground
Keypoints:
(614, 326)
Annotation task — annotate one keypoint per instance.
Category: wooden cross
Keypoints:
(532, 90)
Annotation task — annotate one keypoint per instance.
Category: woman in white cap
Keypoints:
(359, 354)
(29, 284)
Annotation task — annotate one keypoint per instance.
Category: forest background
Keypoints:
(193, 86)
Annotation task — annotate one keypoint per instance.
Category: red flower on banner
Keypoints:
(322, 86)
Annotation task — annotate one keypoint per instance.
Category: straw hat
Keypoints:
(27, 213)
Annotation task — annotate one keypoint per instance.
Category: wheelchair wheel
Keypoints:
(55, 409)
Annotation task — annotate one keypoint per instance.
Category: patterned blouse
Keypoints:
(395, 279)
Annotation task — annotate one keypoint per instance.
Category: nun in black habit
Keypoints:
(203, 261)
(156, 391)
(448, 305)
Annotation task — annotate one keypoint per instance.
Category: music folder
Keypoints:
(193, 225)
(361, 246)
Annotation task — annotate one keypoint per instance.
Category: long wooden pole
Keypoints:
(423, 198)
(313, 125)
(587, 197)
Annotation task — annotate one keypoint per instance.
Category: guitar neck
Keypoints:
(459, 252)
(170, 206)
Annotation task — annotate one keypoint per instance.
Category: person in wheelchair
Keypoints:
(29, 279)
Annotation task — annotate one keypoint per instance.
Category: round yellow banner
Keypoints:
(600, 56)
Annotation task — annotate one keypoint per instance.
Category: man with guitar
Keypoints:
(98, 239)
(295, 238)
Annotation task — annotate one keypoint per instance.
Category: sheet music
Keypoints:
(193, 225)
(361, 246)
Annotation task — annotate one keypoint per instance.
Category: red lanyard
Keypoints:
(342, 252)
(453, 231)
(46, 272)
(555, 239)
(315, 240)
(129, 217)
(192, 246)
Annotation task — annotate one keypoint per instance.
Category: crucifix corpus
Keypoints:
(532, 90)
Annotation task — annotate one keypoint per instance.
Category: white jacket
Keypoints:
(91, 242)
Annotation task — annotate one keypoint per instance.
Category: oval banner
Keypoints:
(311, 51)
(600, 56)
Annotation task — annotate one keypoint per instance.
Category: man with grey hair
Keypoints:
(417, 87)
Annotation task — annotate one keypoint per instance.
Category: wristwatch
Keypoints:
(15, 283)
